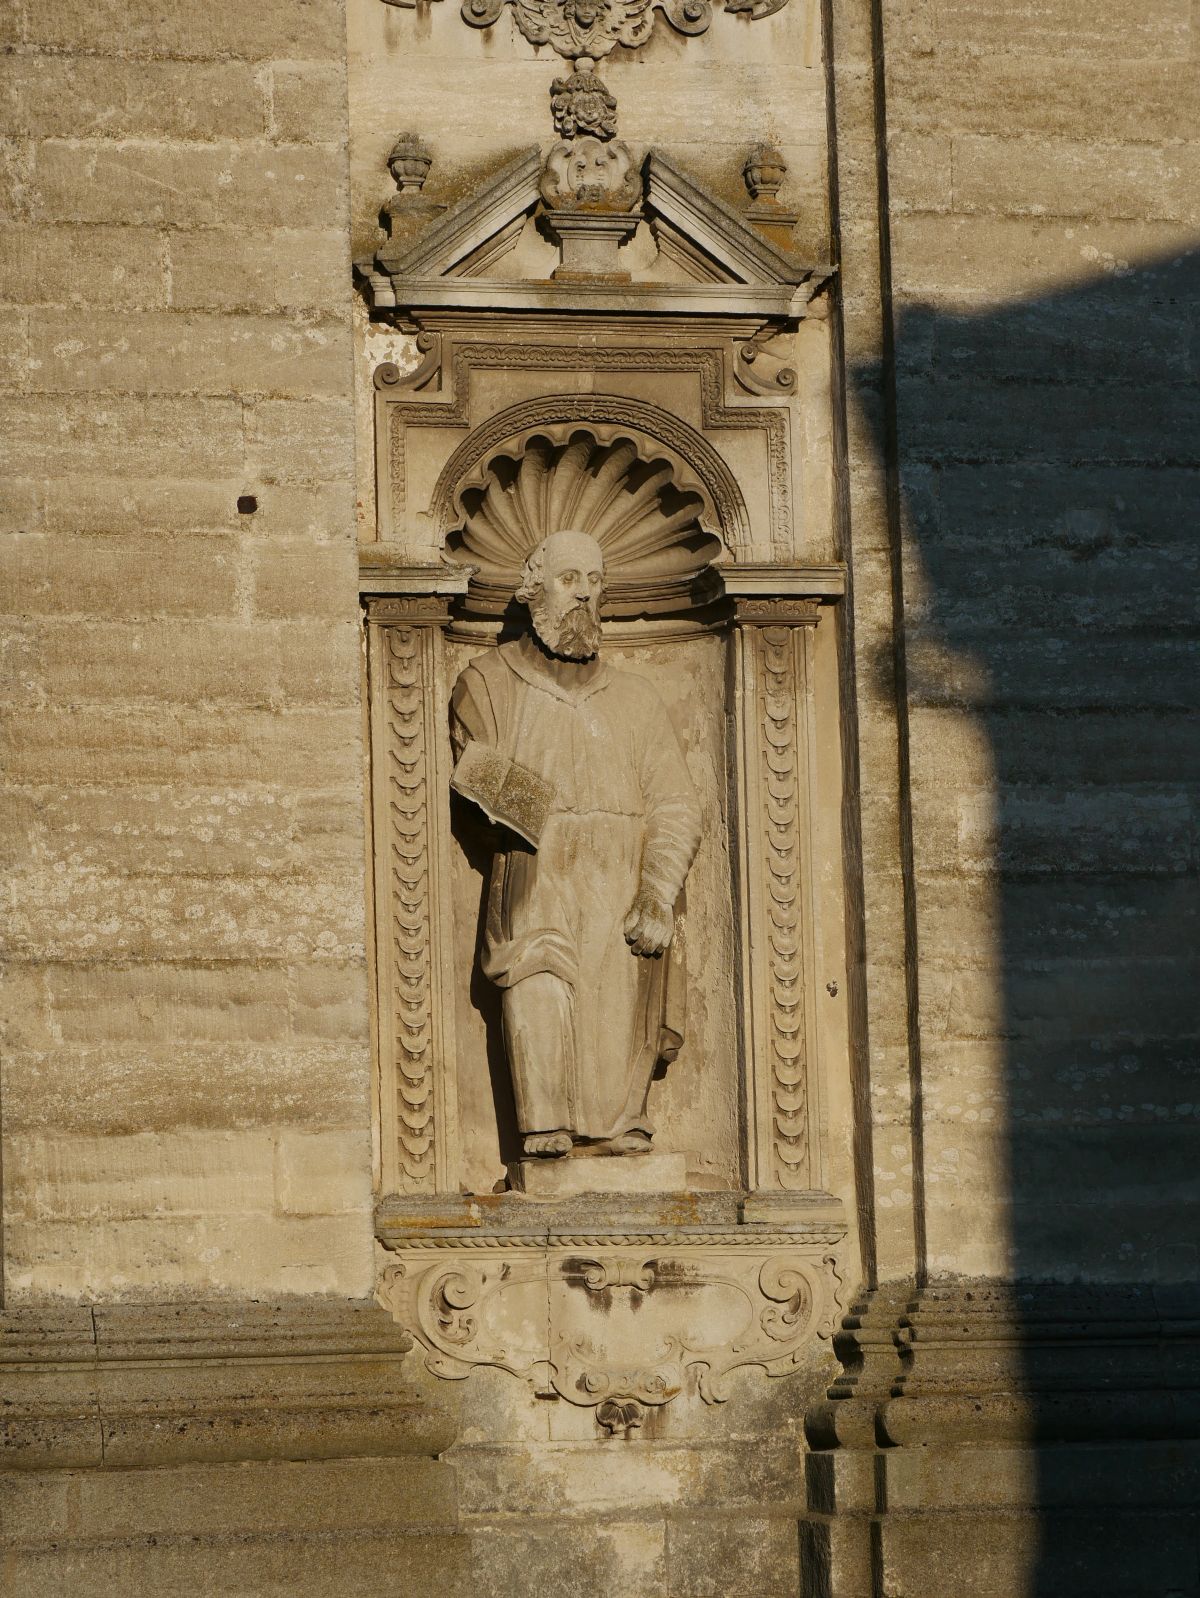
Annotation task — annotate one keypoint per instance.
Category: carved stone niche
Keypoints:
(646, 415)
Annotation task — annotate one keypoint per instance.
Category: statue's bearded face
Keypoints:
(565, 605)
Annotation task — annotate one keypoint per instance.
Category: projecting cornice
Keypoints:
(710, 261)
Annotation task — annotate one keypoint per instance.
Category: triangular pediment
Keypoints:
(689, 219)
(485, 219)
(689, 246)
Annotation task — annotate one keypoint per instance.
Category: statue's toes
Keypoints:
(548, 1143)
(631, 1143)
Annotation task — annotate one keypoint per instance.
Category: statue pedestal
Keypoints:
(614, 1173)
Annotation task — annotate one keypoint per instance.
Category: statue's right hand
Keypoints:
(650, 924)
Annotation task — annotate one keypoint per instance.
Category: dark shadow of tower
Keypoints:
(1048, 456)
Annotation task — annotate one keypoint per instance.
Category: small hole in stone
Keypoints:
(247, 504)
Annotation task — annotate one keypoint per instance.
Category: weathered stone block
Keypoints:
(297, 747)
(722, 1556)
(919, 172)
(170, 1254)
(280, 28)
(185, 185)
(167, 436)
(121, 266)
(173, 352)
(110, 577)
(82, 96)
(299, 441)
(1110, 181)
(1067, 28)
(331, 1002)
(288, 1496)
(114, 1178)
(590, 1479)
(303, 579)
(967, 259)
(319, 662)
(227, 269)
(159, 1004)
(323, 1173)
(1053, 96)
(140, 1088)
(15, 363)
(532, 1555)
(308, 102)
(391, 1564)
(115, 662)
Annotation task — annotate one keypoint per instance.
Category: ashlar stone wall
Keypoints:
(186, 1074)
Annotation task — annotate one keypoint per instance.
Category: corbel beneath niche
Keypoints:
(618, 1306)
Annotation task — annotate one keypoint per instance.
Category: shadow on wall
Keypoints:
(1048, 458)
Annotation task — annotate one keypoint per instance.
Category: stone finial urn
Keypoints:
(764, 172)
(409, 163)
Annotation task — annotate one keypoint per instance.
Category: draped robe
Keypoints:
(585, 1019)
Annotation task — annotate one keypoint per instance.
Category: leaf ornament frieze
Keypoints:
(778, 753)
(411, 931)
(591, 29)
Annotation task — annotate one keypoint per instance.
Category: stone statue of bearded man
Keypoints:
(580, 765)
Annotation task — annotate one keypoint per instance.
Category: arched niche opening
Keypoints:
(649, 512)
(654, 517)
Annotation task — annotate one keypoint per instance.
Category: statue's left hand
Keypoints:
(649, 924)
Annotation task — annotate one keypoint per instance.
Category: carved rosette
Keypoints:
(609, 1321)
(774, 775)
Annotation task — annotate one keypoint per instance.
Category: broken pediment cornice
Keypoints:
(733, 269)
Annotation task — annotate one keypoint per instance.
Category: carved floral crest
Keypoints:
(582, 104)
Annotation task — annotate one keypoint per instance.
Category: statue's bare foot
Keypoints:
(552, 1144)
(631, 1143)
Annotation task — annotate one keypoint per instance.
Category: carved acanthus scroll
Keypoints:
(618, 1328)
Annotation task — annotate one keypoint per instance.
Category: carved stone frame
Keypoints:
(474, 1278)
(770, 611)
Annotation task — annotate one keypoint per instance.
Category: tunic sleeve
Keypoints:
(672, 808)
(504, 790)
(472, 715)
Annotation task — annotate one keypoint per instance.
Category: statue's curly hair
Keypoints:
(533, 575)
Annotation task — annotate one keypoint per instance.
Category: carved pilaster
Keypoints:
(411, 821)
(772, 644)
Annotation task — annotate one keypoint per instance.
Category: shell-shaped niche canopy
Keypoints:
(639, 502)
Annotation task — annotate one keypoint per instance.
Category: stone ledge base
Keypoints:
(118, 1386)
(574, 1177)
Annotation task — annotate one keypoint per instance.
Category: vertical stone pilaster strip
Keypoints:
(781, 1112)
(411, 826)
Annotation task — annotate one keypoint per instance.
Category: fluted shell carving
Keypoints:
(624, 490)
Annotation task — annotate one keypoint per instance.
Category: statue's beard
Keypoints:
(575, 636)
